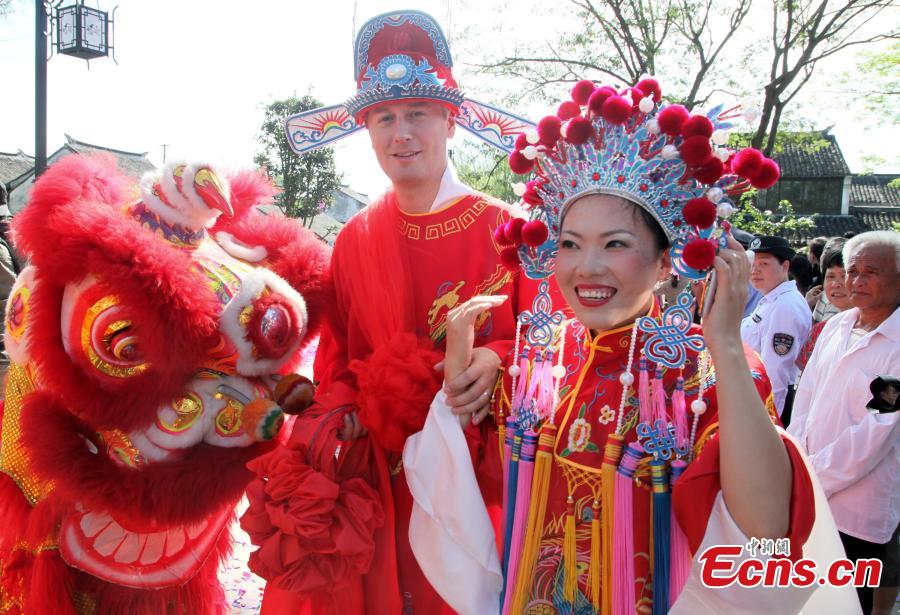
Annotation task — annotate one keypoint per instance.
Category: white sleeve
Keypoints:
(781, 367)
(856, 451)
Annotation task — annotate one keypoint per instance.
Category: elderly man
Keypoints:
(399, 266)
(854, 446)
(780, 323)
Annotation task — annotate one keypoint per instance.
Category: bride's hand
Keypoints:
(722, 323)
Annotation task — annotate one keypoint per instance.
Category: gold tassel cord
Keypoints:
(570, 554)
(595, 575)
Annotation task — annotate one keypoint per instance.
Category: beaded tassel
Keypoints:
(680, 566)
(523, 497)
(623, 549)
(612, 452)
(679, 412)
(661, 531)
(570, 554)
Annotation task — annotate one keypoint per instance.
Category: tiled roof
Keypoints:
(134, 164)
(14, 165)
(860, 220)
(874, 190)
(814, 154)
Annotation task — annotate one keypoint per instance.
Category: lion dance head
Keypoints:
(151, 341)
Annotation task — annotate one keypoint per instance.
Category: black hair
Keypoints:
(833, 255)
(801, 271)
(817, 246)
(659, 235)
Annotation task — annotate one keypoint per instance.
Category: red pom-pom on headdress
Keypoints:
(531, 196)
(582, 90)
(534, 233)
(699, 254)
(710, 171)
(598, 97)
(699, 212)
(549, 130)
(509, 258)
(696, 150)
(616, 110)
(747, 162)
(521, 142)
(513, 230)
(650, 87)
(697, 125)
(500, 235)
(768, 174)
(519, 164)
(671, 119)
(579, 130)
(567, 110)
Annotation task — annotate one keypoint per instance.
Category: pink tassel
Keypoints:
(623, 597)
(680, 553)
(644, 393)
(545, 394)
(659, 397)
(679, 409)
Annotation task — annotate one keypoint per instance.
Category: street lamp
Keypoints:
(82, 32)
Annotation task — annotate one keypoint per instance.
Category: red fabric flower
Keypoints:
(397, 384)
(313, 533)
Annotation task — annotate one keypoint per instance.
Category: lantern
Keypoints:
(82, 31)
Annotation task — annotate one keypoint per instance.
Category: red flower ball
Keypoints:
(697, 125)
(519, 164)
(747, 162)
(513, 230)
(500, 235)
(767, 175)
(699, 212)
(637, 94)
(521, 142)
(582, 90)
(699, 254)
(548, 129)
(710, 171)
(579, 130)
(650, 87)
(509, 258)
(598, 97)
(671, 119)
(532, 197)
(534, 233)
(568, 110)
(695, 151)
(616, 110)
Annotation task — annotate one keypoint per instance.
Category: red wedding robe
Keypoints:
(590, 394)
(452, 255)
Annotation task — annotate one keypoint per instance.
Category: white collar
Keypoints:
(890, 328)
(450, 189)
(782, 288)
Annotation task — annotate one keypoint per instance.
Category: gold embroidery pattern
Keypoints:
(444, 229)
(13, 458)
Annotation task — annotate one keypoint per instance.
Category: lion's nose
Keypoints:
(260, 418)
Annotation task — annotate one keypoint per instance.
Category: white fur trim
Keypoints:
(240, 250)
(252, 284)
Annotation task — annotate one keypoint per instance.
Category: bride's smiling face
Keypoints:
(609, 261)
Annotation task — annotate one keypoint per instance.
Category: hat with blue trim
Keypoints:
(402, 56)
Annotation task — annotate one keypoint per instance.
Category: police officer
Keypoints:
(778, 326)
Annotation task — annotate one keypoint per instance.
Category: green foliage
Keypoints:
(486, 170)
(874, 85)
(782, 222)
(895, 226)
(307, 182)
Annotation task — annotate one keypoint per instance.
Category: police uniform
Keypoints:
(778, 326)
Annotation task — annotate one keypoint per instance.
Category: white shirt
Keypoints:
(450, 189)
(777, 330)
(854, 451)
